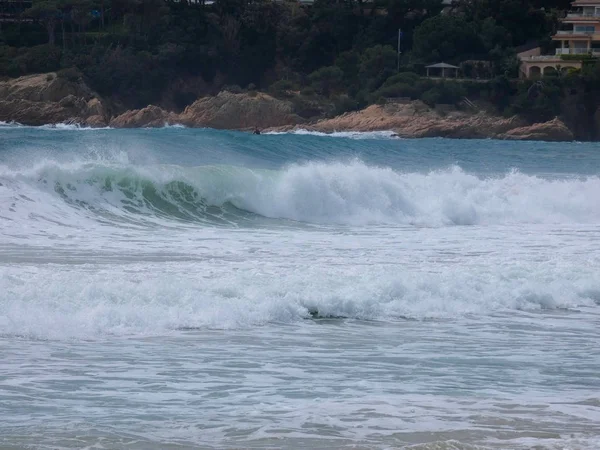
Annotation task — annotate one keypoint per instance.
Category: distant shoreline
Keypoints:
(47, 99)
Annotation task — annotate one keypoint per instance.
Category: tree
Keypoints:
(376, 65)
(523, 19)
(327, 80)
(446, 38)
(80, 15)
(48, 13)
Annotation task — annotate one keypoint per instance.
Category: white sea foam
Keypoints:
(113, 206)
(70, 127)
(149, 305)
(351, 193)
(227, 284)
(386, 134)
(10, 124)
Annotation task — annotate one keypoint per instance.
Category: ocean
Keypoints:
(186, 288)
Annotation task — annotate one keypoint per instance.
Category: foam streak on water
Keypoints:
(189, 288)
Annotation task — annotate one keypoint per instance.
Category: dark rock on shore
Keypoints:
(48, 98)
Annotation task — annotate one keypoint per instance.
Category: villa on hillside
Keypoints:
(581, 37)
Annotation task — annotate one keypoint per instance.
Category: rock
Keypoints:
(417, 120)
(36, 113)
(46, 99)
(377, 118)
(96, 121)
(150, 116)
(95, 107)
(239, 111)
(553, 130)
(46, 87)
(70, 101)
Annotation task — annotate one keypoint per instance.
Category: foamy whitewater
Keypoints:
(179, 288)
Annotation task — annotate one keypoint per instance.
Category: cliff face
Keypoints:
(48, 98)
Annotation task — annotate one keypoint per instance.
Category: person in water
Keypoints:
(256, 130)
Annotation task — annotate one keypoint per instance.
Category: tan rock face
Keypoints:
(46, 98)
(553, 130)
(150, 116)
(96, 121)
(34, 113)
(95, 107)
(417, 120)
(239, 111)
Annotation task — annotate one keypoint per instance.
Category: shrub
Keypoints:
(397, 90)
(447, 93)
(343, 104)
(327, 80)
(283, 87)
(234, 89)
(308, 92)
(305, 108)
(38, 59)
(71, 74)
(432, 96)
(406, 78)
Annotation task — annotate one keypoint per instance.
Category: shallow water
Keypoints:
(181, 288)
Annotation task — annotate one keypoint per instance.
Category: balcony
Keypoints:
(574, 33)
(578, 51)
(583, 15)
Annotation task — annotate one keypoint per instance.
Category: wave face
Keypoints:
(350, 193)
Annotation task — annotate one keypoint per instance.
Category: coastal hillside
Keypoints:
(312, 60)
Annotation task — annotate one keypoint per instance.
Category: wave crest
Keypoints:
(350, 193)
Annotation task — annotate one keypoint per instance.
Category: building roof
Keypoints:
(527, 46)
(442, 65)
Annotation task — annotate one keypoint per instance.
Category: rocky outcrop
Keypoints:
(224, 111)
(377, 118)
(239, 111)
(417, 120)
(65, 98)
(553, 130)
(48, 98)
(151, 116)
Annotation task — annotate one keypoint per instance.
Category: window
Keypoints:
(584, 29)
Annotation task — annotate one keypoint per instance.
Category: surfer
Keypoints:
(256, 130)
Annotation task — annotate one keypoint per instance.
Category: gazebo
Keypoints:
(444, 67)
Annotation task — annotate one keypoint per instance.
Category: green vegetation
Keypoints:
(328, 57)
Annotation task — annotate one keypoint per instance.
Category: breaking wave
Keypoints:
(347, 193)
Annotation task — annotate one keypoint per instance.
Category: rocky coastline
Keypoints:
(49, 99)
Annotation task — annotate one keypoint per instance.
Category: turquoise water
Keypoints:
(178, 288)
